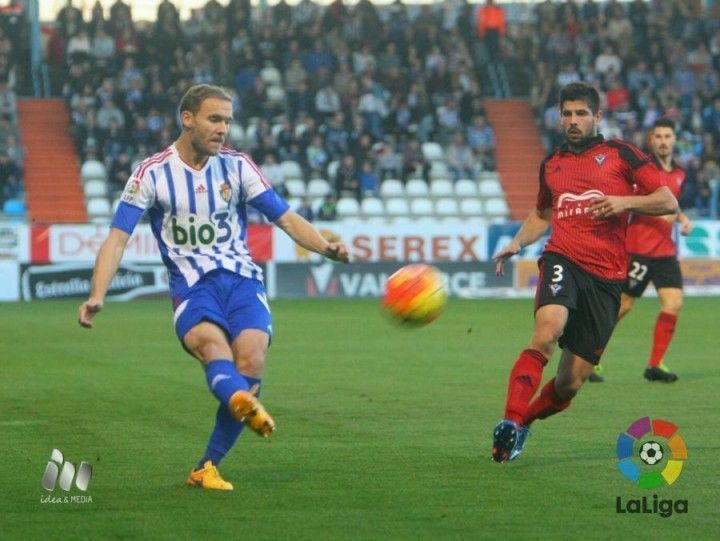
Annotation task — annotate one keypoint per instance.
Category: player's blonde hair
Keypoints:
(197, 94)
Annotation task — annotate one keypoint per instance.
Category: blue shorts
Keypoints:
(234, 303)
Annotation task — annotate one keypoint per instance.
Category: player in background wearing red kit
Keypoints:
(586, 191)
(652, 255)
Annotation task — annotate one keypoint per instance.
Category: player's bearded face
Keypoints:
(209, 126)
(662, 141)
(578, 121)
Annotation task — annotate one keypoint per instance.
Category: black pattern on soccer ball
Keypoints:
(651, 452)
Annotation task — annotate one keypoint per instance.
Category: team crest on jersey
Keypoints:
(131, 190)
(555, 289)
(226, 192)
(600, 158)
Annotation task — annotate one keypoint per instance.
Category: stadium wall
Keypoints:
(44, 262)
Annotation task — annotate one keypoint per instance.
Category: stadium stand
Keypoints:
(313, 91)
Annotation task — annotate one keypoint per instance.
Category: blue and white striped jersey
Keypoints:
(198, 216)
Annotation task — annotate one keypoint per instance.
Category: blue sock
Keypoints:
(226, 431)
(224, 380)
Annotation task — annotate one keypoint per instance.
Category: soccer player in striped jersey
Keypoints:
(653, 254)
(195, 192)
(586, 191)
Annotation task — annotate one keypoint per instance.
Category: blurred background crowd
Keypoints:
(351, 92)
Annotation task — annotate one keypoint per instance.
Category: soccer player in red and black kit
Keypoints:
(586, 192)
(653, 256)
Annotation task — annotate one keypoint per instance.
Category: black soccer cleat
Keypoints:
(660, 373)
(504, 439)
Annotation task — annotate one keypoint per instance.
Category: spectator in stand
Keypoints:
(460, 158)
(108, 113)
(491, 27)
(305, 209)
(327, 102)
(274, 173)
(8, 102)
(316, 157)
(10, 178)
(118, 174)
(414, 163)
(346, 179)
(327, 212)
(369, 180)
(481, 139)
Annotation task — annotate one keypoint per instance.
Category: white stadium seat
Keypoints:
(93, 169)
(318, 187)
(95, 188)
(441, 188)
(271, 76)
(466, 187)
(422, 207)
(98, 208)
(471, 207)
(446, 207)
(372, 206)
(291, 169)
(416, 188)
(432, 151)
(392, 187)
(332, 168)
(236, 136)
(347, 207)
(295, 187)
(496, 207)
(439, 170)
(491, 188)
(396, 206)
(275, 94)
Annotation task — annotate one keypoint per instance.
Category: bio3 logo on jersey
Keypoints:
(570, 204)
(195, 232)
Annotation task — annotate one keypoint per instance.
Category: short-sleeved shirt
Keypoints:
(652, 236)
(198, 217)
(570, 181)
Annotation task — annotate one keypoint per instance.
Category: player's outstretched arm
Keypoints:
(304, 234)
(106, 265)
(531, 230)
(657, 203)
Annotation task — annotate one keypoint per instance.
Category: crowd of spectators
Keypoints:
(351, 92)
(348, 92)
(649, 59)
(12, 155)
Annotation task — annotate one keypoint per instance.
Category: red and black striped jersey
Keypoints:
(651, 236)
(569, 182)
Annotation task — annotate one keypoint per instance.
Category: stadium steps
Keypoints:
(52, 174)
(518, 150)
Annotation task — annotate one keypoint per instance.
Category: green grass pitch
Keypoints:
(383, 432)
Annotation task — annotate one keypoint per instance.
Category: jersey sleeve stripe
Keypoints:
(210, 190)
(153, 160)
(171, 189)
(255, 168)
(190, 191)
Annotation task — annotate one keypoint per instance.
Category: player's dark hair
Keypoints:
(197, 94)
(581, 92)
(664, 123)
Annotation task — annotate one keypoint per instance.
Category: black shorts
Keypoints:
(661, 271)
(593, 304)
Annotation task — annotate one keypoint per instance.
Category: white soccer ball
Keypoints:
(651, 453)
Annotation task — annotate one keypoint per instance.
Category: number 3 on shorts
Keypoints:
(557, 273)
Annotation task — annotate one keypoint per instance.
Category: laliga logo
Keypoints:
(661, 452)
